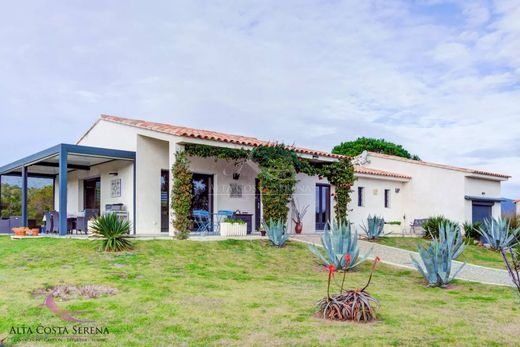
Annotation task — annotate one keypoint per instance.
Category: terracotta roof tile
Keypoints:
(442, 166)
(369, 171)
(207, 135)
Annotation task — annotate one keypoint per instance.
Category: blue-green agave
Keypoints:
(338, 240)
(498, 233)
(276, 232)
(374, 227)
(438, 256)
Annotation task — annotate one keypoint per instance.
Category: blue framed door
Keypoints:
(322, 206)
(481, 210)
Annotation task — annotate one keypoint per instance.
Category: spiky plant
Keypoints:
(438, 256)
(513, 264)
(498, 233)
(338, 240)
(374, 227)
(276, 232)
(357, 304)
(112, 233)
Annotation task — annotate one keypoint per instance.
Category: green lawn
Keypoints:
(473, 254)
(237, 293)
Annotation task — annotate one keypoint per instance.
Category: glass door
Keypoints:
(92, 194)
(202, 199)
(165, 200)
(322, 206)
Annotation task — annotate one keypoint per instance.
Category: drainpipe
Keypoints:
(63, 173)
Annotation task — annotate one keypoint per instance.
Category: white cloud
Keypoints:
(441, 77)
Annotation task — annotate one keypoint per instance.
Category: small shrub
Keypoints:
(338, 240)
(112, 233)
(471, 230)
(374, 227)
(498, 233)
(181, 195)
(355, 305)
(393, 222)
(438, 256)
(276, 232)
(233, 221)
(432, 225)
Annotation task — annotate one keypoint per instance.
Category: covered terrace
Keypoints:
(57, 163)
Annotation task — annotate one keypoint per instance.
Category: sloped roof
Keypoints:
(207, 134)
(441, 166)
(369, 171)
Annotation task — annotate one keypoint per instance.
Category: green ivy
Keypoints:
(181, 194)
(206, 151)
(278, 166)
(341, 175)
(277, 181)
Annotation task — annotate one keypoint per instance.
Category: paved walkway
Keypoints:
(400, 257)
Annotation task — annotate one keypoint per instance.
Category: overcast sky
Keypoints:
(440, 77)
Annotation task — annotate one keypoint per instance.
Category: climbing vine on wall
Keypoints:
(278, 167)
(341, 175)
(181, 195)
(277, 181)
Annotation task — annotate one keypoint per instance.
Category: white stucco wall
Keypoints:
(438, 191)
(152, 156)
(374, 201)
(75, 187)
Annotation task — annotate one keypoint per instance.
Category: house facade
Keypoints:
(127, 163)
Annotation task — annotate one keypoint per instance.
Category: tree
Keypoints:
(354, 148)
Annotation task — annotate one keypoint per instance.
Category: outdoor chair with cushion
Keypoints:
(82, 221)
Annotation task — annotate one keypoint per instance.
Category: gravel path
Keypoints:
(400, 257)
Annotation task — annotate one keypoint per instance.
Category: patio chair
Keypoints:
(55, 220)
(82, 221)
(48, 222)
(418, 223)
(202, 220)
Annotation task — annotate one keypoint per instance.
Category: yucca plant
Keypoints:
(338, 240)
(276, 232)
(432, 225)
(498, 233)
(438, 256)
(112, 233)
(374, 227)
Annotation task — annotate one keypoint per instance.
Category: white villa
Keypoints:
(127, 163)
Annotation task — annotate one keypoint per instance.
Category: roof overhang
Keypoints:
(46, 163)
(483, 198)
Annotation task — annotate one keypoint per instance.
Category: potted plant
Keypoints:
(393, 227)
(297, 215)
(233, 227)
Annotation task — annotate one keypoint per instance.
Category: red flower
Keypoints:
(331, 268)
(377, 259)
(348, 259)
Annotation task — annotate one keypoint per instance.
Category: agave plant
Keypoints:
(337, 241)
(374, 227)
(513, 263)
(112, 233)
(498, 233)
(276, 232)
(438, 256)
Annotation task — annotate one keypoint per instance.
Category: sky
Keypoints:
(442, 78)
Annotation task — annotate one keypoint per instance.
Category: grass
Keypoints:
(473, 254)
(237, 293)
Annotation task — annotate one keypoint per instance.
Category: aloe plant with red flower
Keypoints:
(357, 304)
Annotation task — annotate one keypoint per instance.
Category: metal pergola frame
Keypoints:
(62, 151)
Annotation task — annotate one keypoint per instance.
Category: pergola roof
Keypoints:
(46, 162)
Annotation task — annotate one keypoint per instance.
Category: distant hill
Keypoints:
(508, 207)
